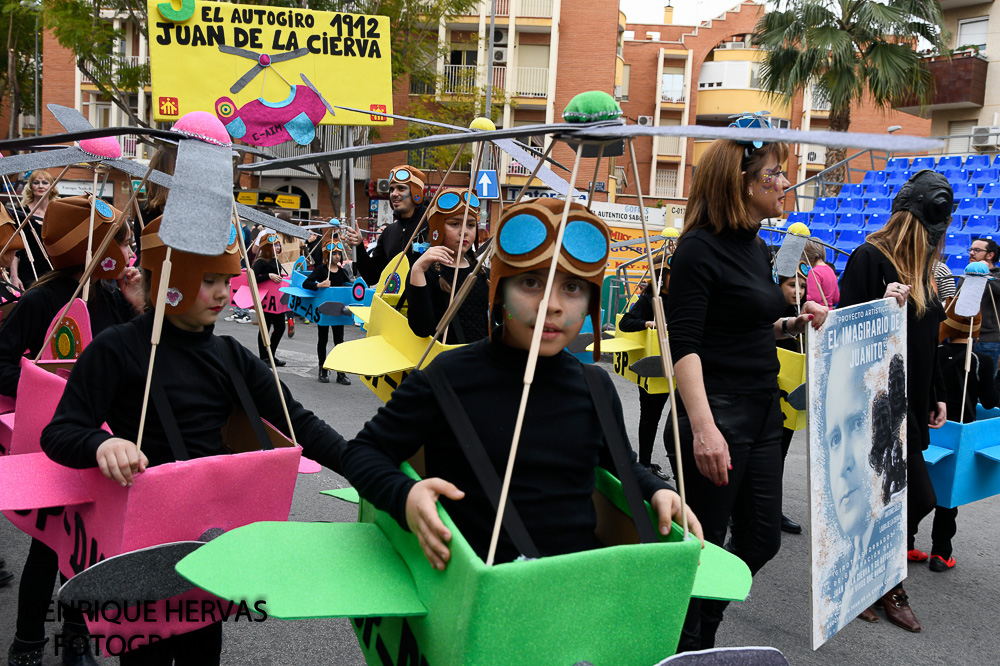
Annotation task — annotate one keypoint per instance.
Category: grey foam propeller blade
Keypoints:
(242, 82)
(200, 221)
(232, 50)
(71, 119)
(289, 55)
(328, 106)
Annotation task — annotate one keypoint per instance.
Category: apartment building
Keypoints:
(967, 78)
(702, 74)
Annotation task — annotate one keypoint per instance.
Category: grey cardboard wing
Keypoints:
(44, 160)
(789, 254)
(199, 211)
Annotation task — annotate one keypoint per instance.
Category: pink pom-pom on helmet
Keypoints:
(203, 125)
(106, 146)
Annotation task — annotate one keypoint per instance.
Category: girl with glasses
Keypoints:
(429, 283)
(329, 273)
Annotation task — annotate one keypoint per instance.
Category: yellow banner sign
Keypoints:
(244, 64)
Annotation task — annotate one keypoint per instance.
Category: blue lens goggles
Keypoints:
(449, 201)
(330, 247)
(527, 235)
(402, 175)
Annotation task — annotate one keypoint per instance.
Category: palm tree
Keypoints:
(849, 50)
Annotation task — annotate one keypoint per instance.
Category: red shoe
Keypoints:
(291, 327)
(939, 564)
(916, 555)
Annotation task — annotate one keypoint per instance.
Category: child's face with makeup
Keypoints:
(568, 307)
(211, 299)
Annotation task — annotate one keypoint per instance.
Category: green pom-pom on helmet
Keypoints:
(591, 106)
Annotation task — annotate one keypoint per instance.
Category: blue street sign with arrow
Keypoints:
(487, 185)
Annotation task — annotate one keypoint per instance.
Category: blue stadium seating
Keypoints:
(874, 177)
(991, 192)
(851, 190)
(823, 221)
(957, 263)
(956, 176)
(771, 237)
(996, 162)
(825, 204)
(848, 240)
(972, 206)
(879, 206)
(950, 162)
(956, 243)
(922, 163)
(825, 235)
(840, 263)
(957, 223)
(977, 162)
(898, 164)
(797, 216)
(851, 222)
(897, 178)
(963, 190)
(876, 221)
(981, 224)
(875, 191)
(984, 176)
(851, 205)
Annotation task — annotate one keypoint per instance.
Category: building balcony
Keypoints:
(959, 83)
(669, 146)
(112, 65)
(717, 104)
(531, 82)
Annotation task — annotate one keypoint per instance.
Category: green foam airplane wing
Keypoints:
(340, 570)
(348, 494)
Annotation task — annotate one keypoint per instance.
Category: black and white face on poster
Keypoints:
(856, 366)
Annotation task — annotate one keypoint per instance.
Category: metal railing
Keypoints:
(331, 138)
(665, 186)
(672, 96)
(112, 64)
(502, 7)
(516, 169)
(531, 82)
(459, 79)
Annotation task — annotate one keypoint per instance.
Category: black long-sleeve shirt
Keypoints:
(23, 330)
(980, 386)
(107, 383)
(392, 241)
(640, 312)
(561, 444)
(321, 272)
(264, 268)
(427, 304)
(865, 278)
(722, 306)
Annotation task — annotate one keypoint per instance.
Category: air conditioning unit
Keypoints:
(618, 92)
(816, 155)
(646, 121)
(985, 137)
(500, 56)
(499, 37)
(735, 45)
(382, 186)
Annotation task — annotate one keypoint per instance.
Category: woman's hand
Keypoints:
(898, 291)
(939, 415)
(423, 520)
(119, 459)
(668, 507)
(275, 278)
(130, 284)
(323, 285)
(650, 324)
(711, 454)
(436, 254)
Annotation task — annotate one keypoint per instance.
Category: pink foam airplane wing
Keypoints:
(72, 334)
(33, 481)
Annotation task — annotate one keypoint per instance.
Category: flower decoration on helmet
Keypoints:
(448, 203)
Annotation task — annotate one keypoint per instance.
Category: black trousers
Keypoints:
(34, 593)
(275, 324)
(920, 496)
(323, 337)
(197, 648)
(944, 529)
(650, 409)
(751, 425)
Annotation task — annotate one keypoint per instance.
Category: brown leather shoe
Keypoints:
(898, 611)
(868, 615)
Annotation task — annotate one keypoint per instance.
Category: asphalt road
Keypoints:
(960, 624)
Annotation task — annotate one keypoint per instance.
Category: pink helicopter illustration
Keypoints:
(265, 123)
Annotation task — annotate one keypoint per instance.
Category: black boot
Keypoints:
(77, 648)
(324, 376)
(342, 379)
(26, 653)
(789, 525)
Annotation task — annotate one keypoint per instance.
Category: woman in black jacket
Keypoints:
(725, 313)
(897, 261)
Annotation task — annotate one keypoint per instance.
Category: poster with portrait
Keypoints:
(856, 368)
